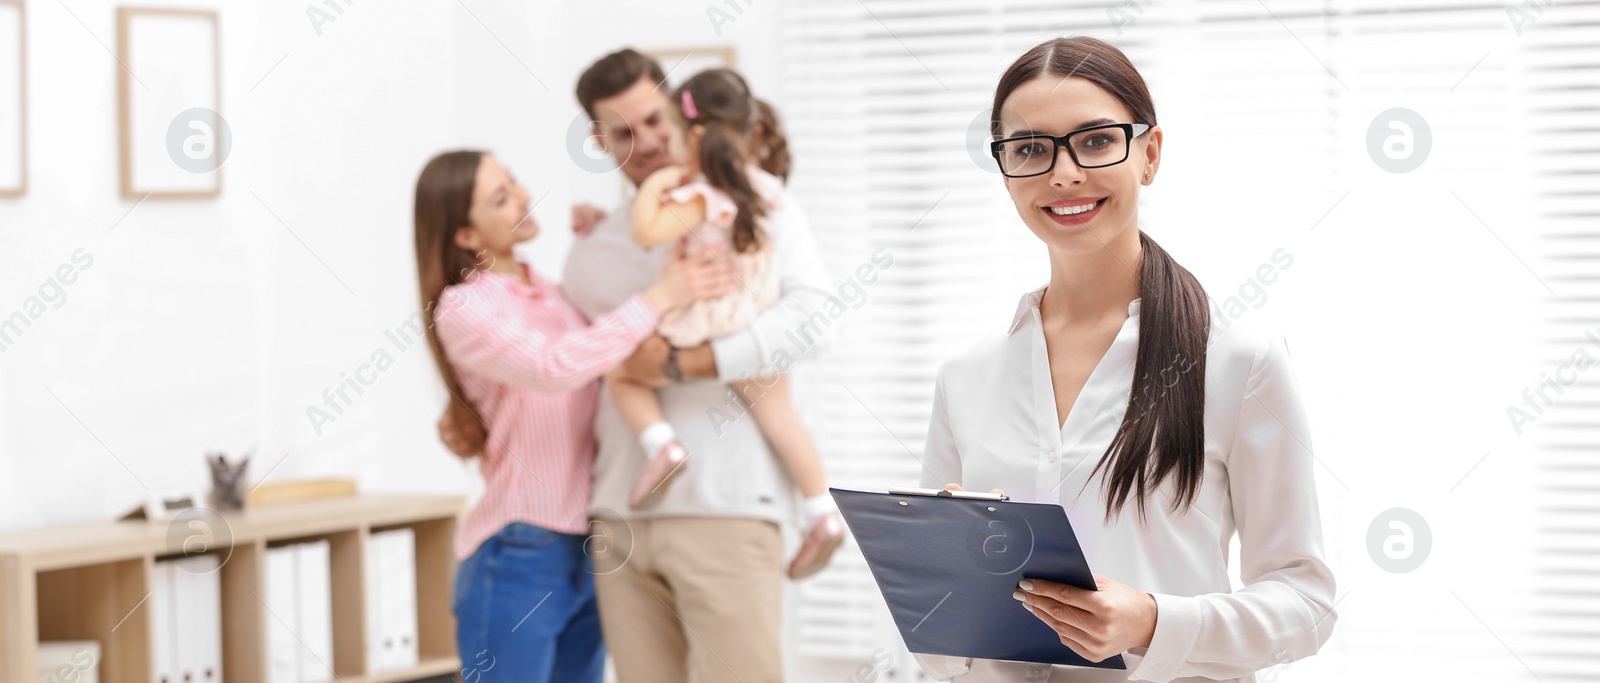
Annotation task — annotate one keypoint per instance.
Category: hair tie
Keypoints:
(688, 106)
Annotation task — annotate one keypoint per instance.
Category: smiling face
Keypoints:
(1070, 208)
(501, 213)
(636, 129)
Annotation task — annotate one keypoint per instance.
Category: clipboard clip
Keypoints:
(946, 493)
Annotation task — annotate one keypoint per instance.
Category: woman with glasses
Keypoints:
(1110, 396)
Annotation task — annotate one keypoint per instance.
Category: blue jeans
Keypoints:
(525, 610)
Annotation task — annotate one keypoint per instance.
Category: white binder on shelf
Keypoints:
(210, 640)
(392, 600)
(316, 611)
(373, 570)
(283, 607)
(400, 585)
(300, 627)
(162, 625)
(186, 620)
(183, 609)
(199, 586)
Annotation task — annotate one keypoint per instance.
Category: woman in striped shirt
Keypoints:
(523, 367)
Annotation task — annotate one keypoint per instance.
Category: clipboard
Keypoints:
(947, 563)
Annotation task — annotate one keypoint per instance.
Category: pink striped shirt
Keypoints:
(529, 364)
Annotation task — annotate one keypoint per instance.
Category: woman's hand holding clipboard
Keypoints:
(1095, 624)
(949, 562)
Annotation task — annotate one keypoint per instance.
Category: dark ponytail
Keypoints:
(1168, 399)
(726, 111)
(1162, 433)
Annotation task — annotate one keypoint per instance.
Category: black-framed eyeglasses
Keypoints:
(1094, 147)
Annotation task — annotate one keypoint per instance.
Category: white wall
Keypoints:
(208, 324)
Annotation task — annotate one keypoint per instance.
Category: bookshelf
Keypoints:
(91, 581)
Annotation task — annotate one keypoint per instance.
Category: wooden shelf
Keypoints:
(92, 581)
(427, 668)
(99, 602)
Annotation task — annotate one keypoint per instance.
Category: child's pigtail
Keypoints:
(722, 160)
(771, 143)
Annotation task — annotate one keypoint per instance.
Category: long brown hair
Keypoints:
(1163, 431)
(727, 112)
(443, 200)
(771, 143)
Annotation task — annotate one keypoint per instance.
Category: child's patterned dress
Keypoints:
(756, 286)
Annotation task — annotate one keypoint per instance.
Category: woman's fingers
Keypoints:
(711, 254)
(1062, 611)
(1061, 626)
(713, 274)
(709, 275)
(707, 278)
(585, 217)
(1060, 592)
(1098, 625)
(1071, 636)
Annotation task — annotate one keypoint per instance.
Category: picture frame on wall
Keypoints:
(681, 63)
(174, 139)
(13, 98)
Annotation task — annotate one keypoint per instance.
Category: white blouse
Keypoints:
(994, 426)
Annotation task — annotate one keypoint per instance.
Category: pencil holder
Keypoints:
(227, 482)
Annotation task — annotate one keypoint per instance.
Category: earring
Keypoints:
(1147, 177)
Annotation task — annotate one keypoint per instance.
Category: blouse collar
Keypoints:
(536, 285)
(1030, 302)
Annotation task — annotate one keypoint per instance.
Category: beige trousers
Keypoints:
(691, 599)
